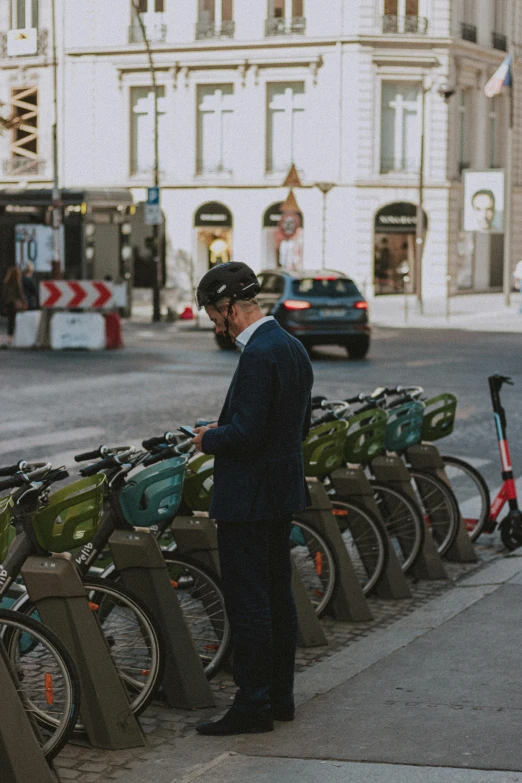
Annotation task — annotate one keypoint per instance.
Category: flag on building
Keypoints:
(501, 78)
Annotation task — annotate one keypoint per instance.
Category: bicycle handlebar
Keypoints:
(103, 451)
(11, 470)
(11, 483)
(152, 459)
(91, 470)
(151, 443)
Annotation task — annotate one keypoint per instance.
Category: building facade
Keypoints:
(339, 88)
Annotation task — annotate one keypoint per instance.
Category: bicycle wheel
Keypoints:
(440, 508)
(365, 541)
(133, 637)
(202, 602)
(471, 492)
(46, 677)
(315, 563)
(403, 521)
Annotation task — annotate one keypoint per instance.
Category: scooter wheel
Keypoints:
(511, 531)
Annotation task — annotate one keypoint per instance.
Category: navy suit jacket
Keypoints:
(258, 469)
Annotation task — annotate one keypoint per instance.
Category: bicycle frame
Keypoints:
(508, 490)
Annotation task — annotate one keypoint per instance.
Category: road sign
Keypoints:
(72, 294)
(152, 207)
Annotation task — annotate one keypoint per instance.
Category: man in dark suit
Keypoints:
(258, 485)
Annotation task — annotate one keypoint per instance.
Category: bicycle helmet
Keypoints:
(233, 279)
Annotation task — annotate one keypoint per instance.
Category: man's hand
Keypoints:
(199, 437)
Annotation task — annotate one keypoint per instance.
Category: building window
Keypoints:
(497, 125)
(24, 14)
(151, 15)
(215, 19)
(24, 147)
(400, 132)
(499, 37)
(286, 132)
(465, 128)
(285, 17)
(150, 6)
(142, 129)
(215, 132)
(402, 16)
(468, 27)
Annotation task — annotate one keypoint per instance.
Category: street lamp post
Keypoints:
(419, 227)
(156, 232)
(56, 195)
(325, 188)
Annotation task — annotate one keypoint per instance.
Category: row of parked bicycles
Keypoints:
(126, 488)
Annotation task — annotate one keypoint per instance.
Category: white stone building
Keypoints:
(248, 87)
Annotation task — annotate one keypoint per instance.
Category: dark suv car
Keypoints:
(319, 308)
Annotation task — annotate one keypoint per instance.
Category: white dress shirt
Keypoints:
(243, 338)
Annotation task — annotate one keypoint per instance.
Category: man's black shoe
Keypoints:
(283, 713)
(235, 722)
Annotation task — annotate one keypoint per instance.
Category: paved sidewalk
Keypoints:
(434, 698)
(472, 312)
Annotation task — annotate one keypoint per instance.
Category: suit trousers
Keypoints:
(257, 580)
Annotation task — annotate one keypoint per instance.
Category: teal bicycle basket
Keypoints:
(154, 494)
(404, 426)
(439, 417)
(5, 520)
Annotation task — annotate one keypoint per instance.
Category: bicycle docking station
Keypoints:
(426, 457)
(138, 558)
(310, 632)
(390, 470)
(21, 758)
(55, 587)
(196, 537)
(351, 483)
(348, 601)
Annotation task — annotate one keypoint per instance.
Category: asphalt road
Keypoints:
(54, 404)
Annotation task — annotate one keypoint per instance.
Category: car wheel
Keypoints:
(224, 342)
(358, 347)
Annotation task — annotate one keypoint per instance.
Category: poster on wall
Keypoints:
(484, 201)
(34, 242)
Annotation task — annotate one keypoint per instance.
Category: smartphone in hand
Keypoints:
(188, 431)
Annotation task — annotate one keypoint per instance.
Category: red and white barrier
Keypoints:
(76, 294)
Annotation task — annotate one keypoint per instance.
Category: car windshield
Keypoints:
(314, 286)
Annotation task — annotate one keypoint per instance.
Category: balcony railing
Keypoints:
(207, 29)
(499, 41)
(468, 32)
(404, 24)
(156, 33)
(280, 26)
(405, 166)
(19, 166)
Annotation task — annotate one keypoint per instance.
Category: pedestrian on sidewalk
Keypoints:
(30, 287)
(517, 277)
(13, 300)
(259, 485)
